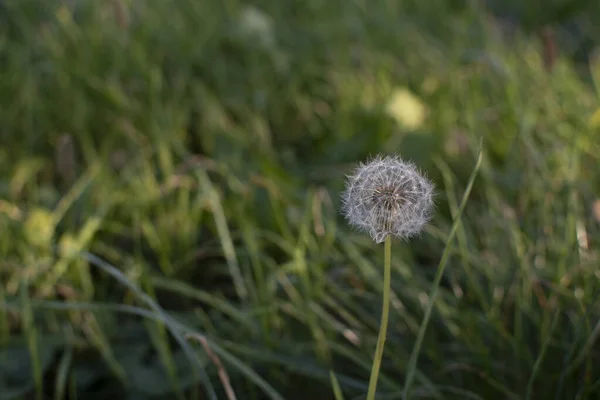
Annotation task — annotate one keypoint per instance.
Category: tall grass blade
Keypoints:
(412, 362)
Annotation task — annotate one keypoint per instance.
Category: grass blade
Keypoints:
(412, 362)
(337, 391)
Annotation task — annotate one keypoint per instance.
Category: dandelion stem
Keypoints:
(387, 280)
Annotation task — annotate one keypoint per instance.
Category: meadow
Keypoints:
(170, 179)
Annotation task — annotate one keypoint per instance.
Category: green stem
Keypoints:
(387, 281)
(412, 362)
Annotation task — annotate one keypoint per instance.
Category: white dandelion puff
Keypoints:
(388, 196)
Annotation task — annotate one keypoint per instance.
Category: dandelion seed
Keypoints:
(388, 196)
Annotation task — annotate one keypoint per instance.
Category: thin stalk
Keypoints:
(387, 281)
(412, 362)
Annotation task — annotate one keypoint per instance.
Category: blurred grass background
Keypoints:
(169, 194)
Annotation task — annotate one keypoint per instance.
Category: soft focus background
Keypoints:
(169, 197)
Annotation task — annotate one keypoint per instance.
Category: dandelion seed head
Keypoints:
(388, 196)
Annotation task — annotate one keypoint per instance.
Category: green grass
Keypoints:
(169, 200)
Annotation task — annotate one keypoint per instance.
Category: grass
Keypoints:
(169, 194)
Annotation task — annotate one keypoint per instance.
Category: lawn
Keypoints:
(170, 193)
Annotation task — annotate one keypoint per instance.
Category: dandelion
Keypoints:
(387, 197)
(407, 109)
